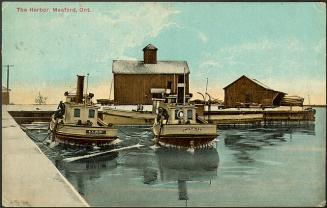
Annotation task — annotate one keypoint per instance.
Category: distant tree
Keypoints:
(40, 99)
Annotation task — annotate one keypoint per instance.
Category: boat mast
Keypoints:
(110, 88)
(206, 91)
(175, 90)
(309, 99)
(87, 85)
(184, 88)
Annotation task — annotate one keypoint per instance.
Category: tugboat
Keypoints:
(177, 124)
(76, 122)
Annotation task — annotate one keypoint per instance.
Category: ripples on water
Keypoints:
(276, 166)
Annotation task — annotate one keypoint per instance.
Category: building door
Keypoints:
(247, 98)
(180, 95)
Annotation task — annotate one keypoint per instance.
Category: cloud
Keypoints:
(101, 35)
(320, 47)
(202, 37)
(283, 65)
(131, 26)
(264, 58)
(62, 45)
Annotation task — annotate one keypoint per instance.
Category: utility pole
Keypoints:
(184, 89)
(8, 67)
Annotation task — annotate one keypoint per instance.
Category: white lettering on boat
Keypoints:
(190, 129)
(95, 132)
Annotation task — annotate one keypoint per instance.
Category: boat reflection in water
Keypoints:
(182, 166)
(246, 140)
(79, 172)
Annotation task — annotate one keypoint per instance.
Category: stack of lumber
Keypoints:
(293, 100)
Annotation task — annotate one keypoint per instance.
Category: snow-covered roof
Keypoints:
(138, 67)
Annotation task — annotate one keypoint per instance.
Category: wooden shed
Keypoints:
(136, 82)
(5, 96)
(245, 92)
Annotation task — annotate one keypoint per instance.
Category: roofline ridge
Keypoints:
(157, 61)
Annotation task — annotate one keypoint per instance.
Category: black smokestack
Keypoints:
(79, 89)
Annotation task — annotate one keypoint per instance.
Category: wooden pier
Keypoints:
(260, 117)
(222, 117)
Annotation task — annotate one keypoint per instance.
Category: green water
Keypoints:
(276, 166)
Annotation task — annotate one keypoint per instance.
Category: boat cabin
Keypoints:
(80, 113)
(181, 114)
(174, 112)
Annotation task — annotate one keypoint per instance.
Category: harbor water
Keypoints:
(272, 166)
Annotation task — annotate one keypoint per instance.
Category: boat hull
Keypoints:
(83, 136)
(185, 136)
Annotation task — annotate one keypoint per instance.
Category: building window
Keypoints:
(189, 114)
(169, 84)
(181, 78)
(77, 112)
(156, 95)
(91, 113)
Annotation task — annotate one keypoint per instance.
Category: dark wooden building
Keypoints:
(245, 92)
(135, 82)
(5, 96)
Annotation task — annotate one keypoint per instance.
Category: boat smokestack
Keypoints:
(79, 89)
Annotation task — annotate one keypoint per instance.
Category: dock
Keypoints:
(29, 178)
(284, 115)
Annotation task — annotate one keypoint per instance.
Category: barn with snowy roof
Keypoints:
(136, 82)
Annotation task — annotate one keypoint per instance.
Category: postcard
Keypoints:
(163, 104)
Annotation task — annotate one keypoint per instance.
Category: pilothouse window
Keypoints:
(91, 113)
(77, 112)
(189, 114)
(179, 114)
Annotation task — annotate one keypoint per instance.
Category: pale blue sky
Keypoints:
(281, 44)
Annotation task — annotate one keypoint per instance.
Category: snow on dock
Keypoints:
(29, 178)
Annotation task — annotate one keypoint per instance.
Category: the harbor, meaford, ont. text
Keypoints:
(54, 10)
